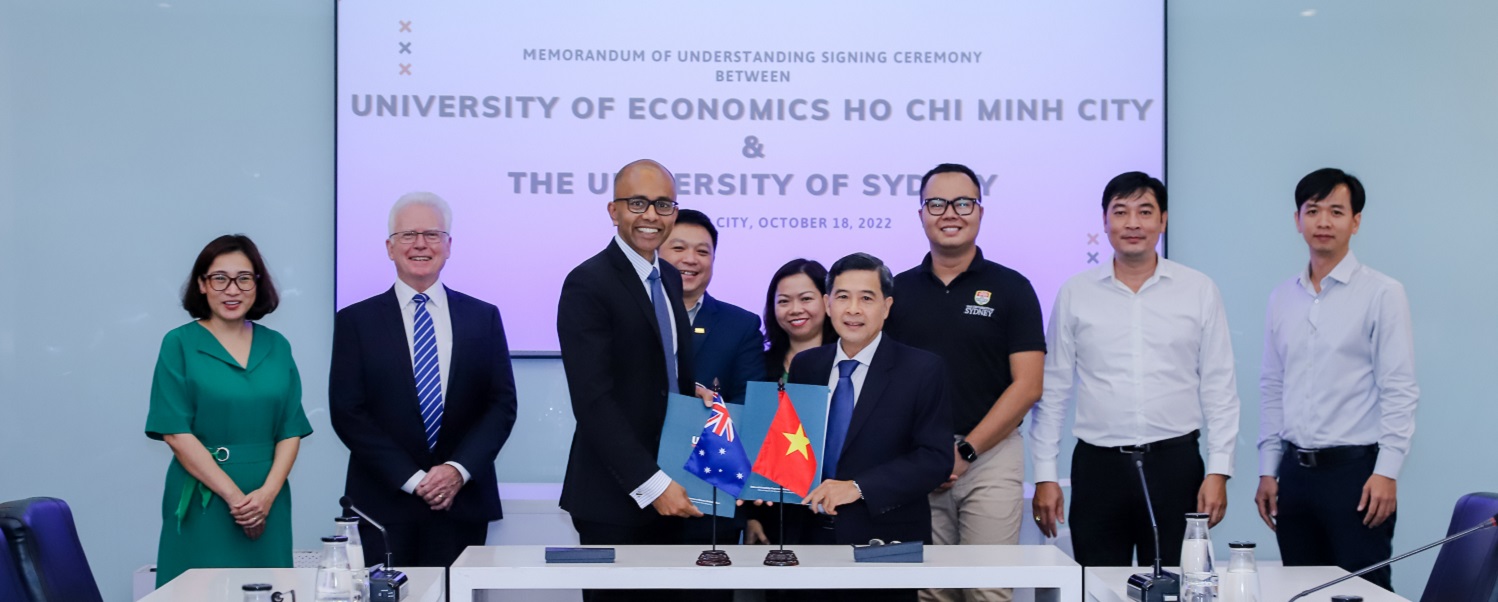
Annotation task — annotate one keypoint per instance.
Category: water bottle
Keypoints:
(1241, 582)
(257, 592)
(335, 578)
(1197, 563)
(348, 526)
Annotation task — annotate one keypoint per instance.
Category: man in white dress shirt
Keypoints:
(1141, 345)
(1338, 392)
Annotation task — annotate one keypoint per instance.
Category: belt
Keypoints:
(1186, 439)
(1327, 456)
(247, 453)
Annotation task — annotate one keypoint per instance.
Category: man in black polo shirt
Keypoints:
(984, 320)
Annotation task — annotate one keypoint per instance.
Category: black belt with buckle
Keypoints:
(1328, 456)
(1188, 438)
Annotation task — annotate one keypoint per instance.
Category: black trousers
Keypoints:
(1319, 524)
(658, 531)
(1109, 523)
(434, 540)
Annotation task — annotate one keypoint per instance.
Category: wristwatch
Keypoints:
(965, 451)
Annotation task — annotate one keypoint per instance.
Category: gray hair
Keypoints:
(422, 198)
(860, 262)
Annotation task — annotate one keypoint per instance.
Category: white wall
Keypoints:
(132, 132)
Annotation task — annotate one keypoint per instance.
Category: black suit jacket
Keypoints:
(372, 395)
(727, 346)
(899, 444)
(616, 374)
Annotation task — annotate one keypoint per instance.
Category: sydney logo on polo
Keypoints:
(982, 297)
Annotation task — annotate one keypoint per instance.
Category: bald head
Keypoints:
(639, 166)
(648, 181)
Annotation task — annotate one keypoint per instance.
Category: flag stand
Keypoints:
(714, 557)
(782, 556)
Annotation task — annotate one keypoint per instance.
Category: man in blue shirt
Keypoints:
(1337, 390)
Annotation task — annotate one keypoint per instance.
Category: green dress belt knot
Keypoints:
(246, 453)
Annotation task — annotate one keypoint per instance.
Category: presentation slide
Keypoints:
(801, 128)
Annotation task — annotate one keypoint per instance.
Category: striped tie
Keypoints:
(428, 373)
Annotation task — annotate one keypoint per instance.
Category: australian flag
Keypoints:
(719, 457)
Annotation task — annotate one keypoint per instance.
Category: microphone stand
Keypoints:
(1491, 522)
(1158, 586)
(393, 581)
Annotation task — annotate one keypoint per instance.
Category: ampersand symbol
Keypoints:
(753, 149)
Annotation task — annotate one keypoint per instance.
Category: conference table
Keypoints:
(1276, 584)
(822, 567)
(223, 585)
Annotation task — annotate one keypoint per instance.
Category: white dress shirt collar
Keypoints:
(1342, 274)
(1164, 268)
(436, 294)
(641, 265)
(864, 356)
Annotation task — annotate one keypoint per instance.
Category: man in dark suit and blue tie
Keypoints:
(422, 393)
(626, 343)
(888, 442)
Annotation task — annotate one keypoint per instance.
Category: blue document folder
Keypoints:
(761, 400)
(685, 417)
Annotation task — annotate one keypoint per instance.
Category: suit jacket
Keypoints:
(616, 375)
(899, 444)
(375, 411)
(728, 346)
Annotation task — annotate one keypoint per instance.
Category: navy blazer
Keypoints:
(372, 397)
(899, 444)
(727, 346)
(616, 375)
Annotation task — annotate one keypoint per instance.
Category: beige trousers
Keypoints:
(984, 507)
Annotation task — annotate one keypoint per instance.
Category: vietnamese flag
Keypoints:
(786, 456)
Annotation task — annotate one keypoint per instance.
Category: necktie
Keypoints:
(839, 414)
(663, 324)
(428, 373)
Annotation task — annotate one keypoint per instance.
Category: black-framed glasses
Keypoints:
(962, 205)
(409, 236)
(638, 204)
(219, 281)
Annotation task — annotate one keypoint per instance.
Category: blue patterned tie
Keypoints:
(663, 323)
(428, 373)
(839, 415)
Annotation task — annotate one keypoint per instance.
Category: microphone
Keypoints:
(391, 583)
(1159, 585)
(1487, 524)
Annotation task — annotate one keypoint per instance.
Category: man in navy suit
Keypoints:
(422, 393)
(888, 423)
(626, 343)
(727, 346)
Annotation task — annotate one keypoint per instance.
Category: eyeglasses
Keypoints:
(938, 206)
(409, 236)
(638, 204)
(219, 281)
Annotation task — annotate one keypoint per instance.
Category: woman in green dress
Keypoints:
(227, 399)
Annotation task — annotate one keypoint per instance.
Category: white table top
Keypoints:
(525, 567)
(1276, 584)
(223, 585)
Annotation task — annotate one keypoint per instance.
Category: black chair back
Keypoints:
(10, 573)
(1467, 569)
(53, 567)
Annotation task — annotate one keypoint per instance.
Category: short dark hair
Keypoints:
(863, 261)
(776, 338)
(1128, 184)
(693, 217)
(951, 168)
(266, 298)
(1320, 183)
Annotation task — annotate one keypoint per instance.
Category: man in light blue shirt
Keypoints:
(1338, 393)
